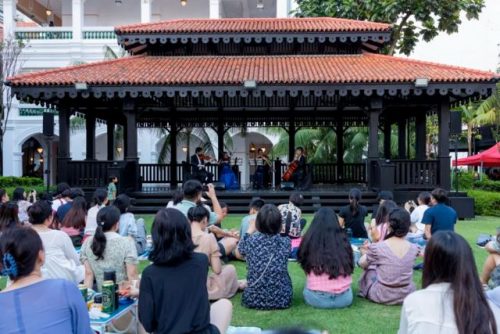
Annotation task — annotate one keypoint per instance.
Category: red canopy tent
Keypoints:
(488, 158)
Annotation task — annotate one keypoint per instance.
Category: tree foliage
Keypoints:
(411, 19)
(488, 112)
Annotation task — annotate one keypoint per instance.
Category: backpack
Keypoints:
(141, 242)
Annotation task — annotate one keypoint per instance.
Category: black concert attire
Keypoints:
(198, 170)
(261, 170)
(300, 172)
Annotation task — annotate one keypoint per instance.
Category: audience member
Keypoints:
(353, 215)
(64, 209)
(177, 197)
(388, 265)
(491, 269)
(61, 259)
(326, 256)
(379, 229)
(292, 222)
(439, 217)
(9, 216)
(112, 191)
(75, 220)
(268, 284)
(255, 206)
(174, 297)
(107, 250)
(63, 192)
(383, 195)
(129, 226)
(452, 299)
(19, 196)
(100, 201)
(222, 281)
(31, 304)
(423, 201)
(193, 191)
(4, 197)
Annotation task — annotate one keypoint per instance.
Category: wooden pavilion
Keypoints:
(291, 73)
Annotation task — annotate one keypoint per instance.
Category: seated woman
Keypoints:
(100, 201)
(292, 223)
(388, 265)
(379, 228)
(31, 304)
(8, 216)
(74, 221)
(353, 215)
(327, 258)
(129, 227)
(223, 281)
(61, 259)
(491, 269)
(227, 175)
(107, 250)
(20, 197)
(174, 297)
(268, 283)
(452, 299)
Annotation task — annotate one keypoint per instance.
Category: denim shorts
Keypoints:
(321, 299)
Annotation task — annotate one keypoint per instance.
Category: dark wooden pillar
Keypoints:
(420, 136)
(291, 139)
(110, 133)
(387, 137)
(444, 144)
(90, 135)
(339, 130)
(131, 133)
(373, 124)
(173, 154)
(64, 144)
(220, 137)
(402, 139)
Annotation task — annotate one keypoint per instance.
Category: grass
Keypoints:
(361, 317)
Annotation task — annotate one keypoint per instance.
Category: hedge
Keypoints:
(25, 182)
(487, 203)
(466, 180)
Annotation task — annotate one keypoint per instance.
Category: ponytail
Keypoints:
(354, 198)
(107, 218)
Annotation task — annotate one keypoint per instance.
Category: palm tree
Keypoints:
(488, 112)
(469, 117)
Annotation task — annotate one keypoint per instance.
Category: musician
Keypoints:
(198, 169)
(262, 164)
(300, 173)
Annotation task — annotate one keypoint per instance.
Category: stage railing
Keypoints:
(88, 174)
(331, 173)
(416, 173)
(161, 173)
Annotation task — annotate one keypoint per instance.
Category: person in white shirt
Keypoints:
(423, 200)
(100, 200)
(61, 259)
(453, 300)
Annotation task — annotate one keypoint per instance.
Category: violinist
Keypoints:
(263, 164)
(198, 169)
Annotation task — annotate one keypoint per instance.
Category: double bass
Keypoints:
(287, 176)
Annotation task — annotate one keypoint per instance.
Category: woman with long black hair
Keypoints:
(326, 257)
(174, 296)
(107, 250)
(353, 215)
(452, 299)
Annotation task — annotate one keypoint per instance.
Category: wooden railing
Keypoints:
(331, 173)
(88, 174)
(161, 173)
(416, 173)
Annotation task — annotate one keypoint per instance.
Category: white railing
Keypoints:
(64, 33)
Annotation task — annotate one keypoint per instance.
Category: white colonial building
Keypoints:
(59, 33)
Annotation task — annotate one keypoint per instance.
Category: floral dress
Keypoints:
(269, 284)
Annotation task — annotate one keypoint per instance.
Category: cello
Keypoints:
(287, 176)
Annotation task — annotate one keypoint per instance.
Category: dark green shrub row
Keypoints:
(25, 182)
(486, 203)
(466, 180)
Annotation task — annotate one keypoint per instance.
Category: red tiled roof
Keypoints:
(234, 70)
(254, 25)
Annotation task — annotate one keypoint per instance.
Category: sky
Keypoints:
(476, 45)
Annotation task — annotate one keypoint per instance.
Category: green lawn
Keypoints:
(361, 317)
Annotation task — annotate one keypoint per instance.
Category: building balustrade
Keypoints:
(64, 33)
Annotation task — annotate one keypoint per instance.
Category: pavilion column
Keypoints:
(63, 156)
(420, 135)
(77, 13)
(90, 135)
(373, 151)
(339, 131)
(291, 139)
(387, 138)
(146, 11)
(220, 138)
(282, 9)
(214, 9)
(110, 133)
(402, 139)
(173, 153)
(131, 134)
(444, 145)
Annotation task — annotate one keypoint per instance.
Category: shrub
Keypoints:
(487, 203)
(13, 181)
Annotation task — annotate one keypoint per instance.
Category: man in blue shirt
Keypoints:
(439, 217)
